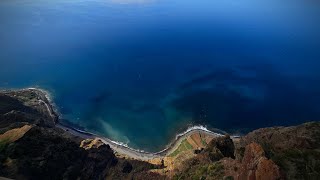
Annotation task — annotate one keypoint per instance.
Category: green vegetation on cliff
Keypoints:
(31, 147)
(184, 146)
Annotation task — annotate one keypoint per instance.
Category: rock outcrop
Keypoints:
(304, 136)
(31, 147)
(29, 106)
(43, 153)
(254, 165)
(264, 154)
(207, 163)
(295, 149)
(224, 144)
(91, 143)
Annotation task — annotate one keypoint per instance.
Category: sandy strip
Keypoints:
(44, 97)
(133, 153)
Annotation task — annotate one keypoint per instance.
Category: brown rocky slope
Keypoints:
(267, 153)
(31, 147)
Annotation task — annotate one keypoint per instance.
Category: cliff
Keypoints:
(267, 153)
(32, 147)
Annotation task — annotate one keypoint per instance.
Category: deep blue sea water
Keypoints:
(139, 71)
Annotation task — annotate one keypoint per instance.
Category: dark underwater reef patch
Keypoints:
(235, 100)
(247, 98)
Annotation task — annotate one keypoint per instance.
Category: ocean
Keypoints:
(141, 71)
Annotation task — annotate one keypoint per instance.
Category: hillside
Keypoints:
(33, 147)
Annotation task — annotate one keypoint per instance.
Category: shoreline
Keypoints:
(119, 147)
(136, 153)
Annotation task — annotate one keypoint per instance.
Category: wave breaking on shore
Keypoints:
(193, 128)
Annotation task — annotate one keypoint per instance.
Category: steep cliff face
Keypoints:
(264, 154)
(43, 153)
(217, 161)
(254, 165)
(18, 108)
(295, 149)
(207, 163)
(304, 136)
(31, 147)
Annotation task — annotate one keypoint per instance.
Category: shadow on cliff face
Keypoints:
(247, 98)
(46, 152)
(267, 153)
(13, 113)
(51, 153)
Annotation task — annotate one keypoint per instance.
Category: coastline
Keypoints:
(119, 147)
(136, 153)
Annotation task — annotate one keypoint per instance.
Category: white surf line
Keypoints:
(141, 154)
(116, 146)
(124, 148)
(47, 97)
(48, 109)
(173, 145)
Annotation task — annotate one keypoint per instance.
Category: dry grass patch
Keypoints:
(14, 134)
